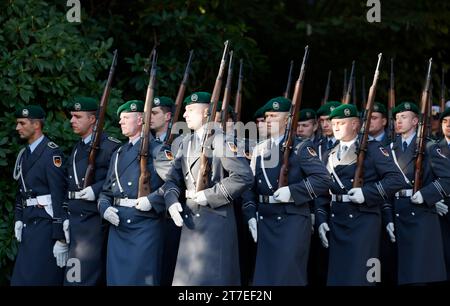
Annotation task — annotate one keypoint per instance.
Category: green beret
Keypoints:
(131, 107)
(163, 101)
(278, 104)
(405, 106)
(344, 111)
(83, 104)
(327, 108)
(30, 112)
(379, 108)
(446, 113)
(307, 114)
(259, 113)
(198, 97)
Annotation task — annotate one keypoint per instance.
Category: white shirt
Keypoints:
(35, 143)
(346, 145)
(87, 139)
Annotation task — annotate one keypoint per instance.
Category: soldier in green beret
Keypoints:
(39, 213)
(378, 122)
(435, 123)
(307, 125)
(161, 115)
(88, 233)
(327, 141)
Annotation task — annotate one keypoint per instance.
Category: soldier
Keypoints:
(208, 251)
(161, 116)
(40, 222)
(307, 126)
(328, 141)
(260, 124)
(354, 214)
(87, 231)
(283, 228)
(419, 240)
(435, 123)
(378, 122)
(135, 238)
(444, 146)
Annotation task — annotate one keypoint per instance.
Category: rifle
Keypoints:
(179, 101)
(327, 89)
(238, 99)
(354, 91)
(202, 181)
(347, 95)
(358, 179)
(420, 139)
(144, 177)
(443, 91)
(363, 91)
(227, 94)
(98, 127)
(344, 89)
(291, 127)
(429, 132)
(391, 103)
(287, 92)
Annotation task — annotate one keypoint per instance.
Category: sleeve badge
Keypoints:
(311, 151)
(57, 161)
(384, 151)
(169, 154)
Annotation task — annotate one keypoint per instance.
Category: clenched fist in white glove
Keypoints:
(174, 211)
(18, 226)
(283, 194)
(441, 208)
(323, 229)
(143, 204)
(252, 226)
(61, 253)
(356, 195)
(111, 215)
(87, 194)
(390, 229)
(200, 198)
(417, 198)
(66, 230)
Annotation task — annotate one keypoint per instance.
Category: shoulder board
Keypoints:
(52, 145)
(114, 139)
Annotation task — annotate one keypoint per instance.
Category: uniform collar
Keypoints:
(379, 137)
(35, 143)
(409, 139)
(348, 143)
(87, 139)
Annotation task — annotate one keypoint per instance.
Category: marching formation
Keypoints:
(337, 196)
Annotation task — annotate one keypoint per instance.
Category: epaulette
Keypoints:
(114, 139)
(52, 145)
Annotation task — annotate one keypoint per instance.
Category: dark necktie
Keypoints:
(330, 144)
(405, 146)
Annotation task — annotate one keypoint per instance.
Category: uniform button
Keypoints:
(261, 217)
(186, 216)
(82, 179)
(197, 215)
(24, 225)
(20, 190)
(35, 222)
(397, 215)
(278, 218)
(68, 213)
(130, 183)
(70, 176)
(332, 215)
(128, 221)
(259, 181)
(114, 184)
(351, 216)
(412, 213)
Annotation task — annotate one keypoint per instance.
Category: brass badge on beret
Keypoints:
(169, 154)
(384, 151)
(77, 106)
(57, 161)
(25, 112)
(311, 151)
(133, 107)
(156, 101)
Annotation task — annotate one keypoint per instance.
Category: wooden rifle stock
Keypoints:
(144, 177)
(98, 127)
(391, 103)
(358, 180)
(202, 181)
(291, 126)
(420, 139)
(238, 99)
(179, 101)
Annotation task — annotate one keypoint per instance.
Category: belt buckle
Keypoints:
(339, 198)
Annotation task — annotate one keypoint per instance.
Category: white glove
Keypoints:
(18, 226)
(441, 208)
(87, 194)
(174, 211)
(200, 198)
(252, 226)
(190, 194)
(323, 229)
(61, 253)
(417, 198)
(390, 229)
(143, 204)
(283, 194)
(66, 230)
(111, 215)
(356, 195)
